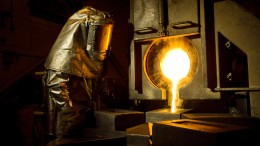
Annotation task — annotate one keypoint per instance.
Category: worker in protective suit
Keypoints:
(74, 62)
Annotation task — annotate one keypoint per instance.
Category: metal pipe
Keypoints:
(162, 16)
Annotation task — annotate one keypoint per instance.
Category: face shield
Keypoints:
(98, 40)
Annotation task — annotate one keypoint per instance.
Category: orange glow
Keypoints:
(175, 66)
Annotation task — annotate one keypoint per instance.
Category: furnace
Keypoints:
(162, 26)
(216, 76)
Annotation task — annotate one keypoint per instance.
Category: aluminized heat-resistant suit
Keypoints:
(74, 62)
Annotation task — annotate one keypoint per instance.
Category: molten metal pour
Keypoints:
(175, 66)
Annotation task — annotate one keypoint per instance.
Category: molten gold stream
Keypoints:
(175, 66)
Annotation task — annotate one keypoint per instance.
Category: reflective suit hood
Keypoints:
(75, 49)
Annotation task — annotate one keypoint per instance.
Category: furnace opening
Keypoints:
(171, 64)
